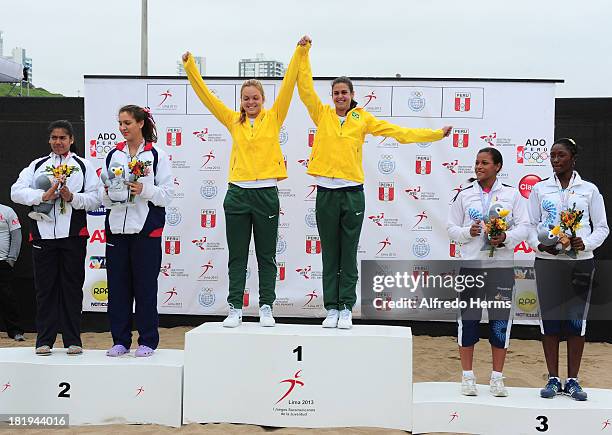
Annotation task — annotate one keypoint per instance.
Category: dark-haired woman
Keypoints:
(133, 231)
(336, 162)
(492, 266)
(564, 282)
(59, 241)
(256, 165)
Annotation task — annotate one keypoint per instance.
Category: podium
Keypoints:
(93, 388)
(440, 407)
(299, 376)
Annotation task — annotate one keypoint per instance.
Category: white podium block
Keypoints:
(299, 376)
(93, 388)
(440, 407)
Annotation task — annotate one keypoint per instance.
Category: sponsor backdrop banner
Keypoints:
(408, 187)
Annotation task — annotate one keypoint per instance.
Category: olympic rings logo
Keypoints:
(535, 156)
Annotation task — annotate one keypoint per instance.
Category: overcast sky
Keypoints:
(564, 39)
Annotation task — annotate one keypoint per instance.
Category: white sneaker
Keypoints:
(497, 387)
(234, 318)
(331, 321)
(468, 386)
(346, 319)
(265, 316)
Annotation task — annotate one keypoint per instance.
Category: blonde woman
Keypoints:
(256, 166)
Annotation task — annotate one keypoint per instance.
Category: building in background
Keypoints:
(200, 63)
(260, 67)
(18, 55)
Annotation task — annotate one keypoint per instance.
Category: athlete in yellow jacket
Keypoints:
(256, 164)
(336, 162)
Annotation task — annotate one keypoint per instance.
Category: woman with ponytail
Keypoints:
(336, 163)
(134, 229)
(256, 165)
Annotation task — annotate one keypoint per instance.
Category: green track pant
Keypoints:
(339, 219)
(253, 210)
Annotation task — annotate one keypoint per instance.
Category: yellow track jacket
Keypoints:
(256, 152)
(337, 149)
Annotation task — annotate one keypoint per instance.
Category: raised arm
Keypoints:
(306, 90)
(219, 110)
(283, 99)
(379, 127)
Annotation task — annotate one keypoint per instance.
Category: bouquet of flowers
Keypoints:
(570, 221)
(138, 169)
(494, 227)
(61, 174)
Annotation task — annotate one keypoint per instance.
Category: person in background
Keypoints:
(59, 242)
(256, 166)
(490, 258)
(133, 231)
(564, 277)
(10, 245)
(336, 162)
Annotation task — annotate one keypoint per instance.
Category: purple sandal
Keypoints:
(143, 351)
(117, 350)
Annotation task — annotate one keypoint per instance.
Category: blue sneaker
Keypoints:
(552, 388)
(574, 390)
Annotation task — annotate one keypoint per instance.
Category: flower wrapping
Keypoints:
(60, 174)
